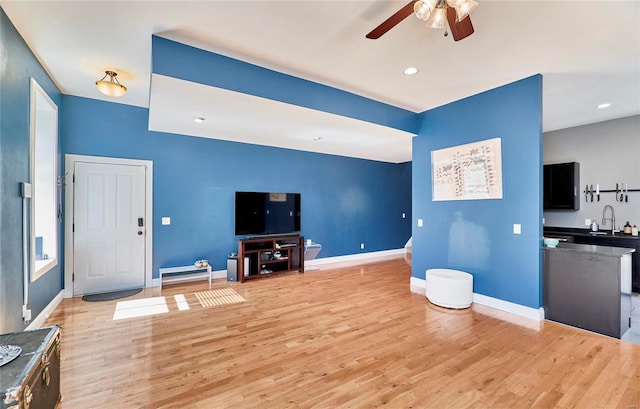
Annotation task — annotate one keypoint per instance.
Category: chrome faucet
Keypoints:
(612, 219)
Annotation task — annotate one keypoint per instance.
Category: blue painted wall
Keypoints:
(17, 66)
(477, 235)
(345, 201)
(181, 61)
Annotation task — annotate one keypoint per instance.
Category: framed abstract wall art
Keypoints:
(471, 171)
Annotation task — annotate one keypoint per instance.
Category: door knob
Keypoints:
(139, 232)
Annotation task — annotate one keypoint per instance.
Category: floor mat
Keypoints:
(114, 295)
(218, 297)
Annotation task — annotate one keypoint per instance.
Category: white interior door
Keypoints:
(109, 227)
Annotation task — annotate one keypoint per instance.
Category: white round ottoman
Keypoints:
(449, 288)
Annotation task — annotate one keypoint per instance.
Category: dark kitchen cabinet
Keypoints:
(561, 186)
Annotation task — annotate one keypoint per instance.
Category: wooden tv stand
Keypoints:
(270, 255)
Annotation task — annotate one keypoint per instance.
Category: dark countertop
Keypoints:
(591, 249)
(550, 231)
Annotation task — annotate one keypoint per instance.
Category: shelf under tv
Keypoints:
(263, 256)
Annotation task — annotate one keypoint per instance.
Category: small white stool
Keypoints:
(449, 288)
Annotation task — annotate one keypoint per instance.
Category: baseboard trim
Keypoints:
(419, 285)
(46, 312)
(370, 256)
(517, 309)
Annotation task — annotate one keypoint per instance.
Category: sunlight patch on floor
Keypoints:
(218, 297)
(181, 301)
(140, 308)
(144, 307)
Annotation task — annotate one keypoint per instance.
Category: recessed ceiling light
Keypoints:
(410, 71)
(605, 105)
(198, 119)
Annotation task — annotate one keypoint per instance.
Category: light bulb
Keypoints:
(438, 18)
(422, 10)
(463, 8)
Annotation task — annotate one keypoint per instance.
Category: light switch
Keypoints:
(587, 222)
(517, 229)
(420, 223)
(166, 221)
(404, 215)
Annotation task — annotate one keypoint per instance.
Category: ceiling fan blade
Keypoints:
(461, 29)
(392, 21)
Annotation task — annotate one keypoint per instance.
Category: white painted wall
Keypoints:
(609, 153)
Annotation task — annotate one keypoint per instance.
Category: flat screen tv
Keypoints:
(264, 213)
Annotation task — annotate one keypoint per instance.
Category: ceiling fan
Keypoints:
(436, 13)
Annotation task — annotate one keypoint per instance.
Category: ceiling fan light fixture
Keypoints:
(438, 17)
(436, 14)
(112, 86)
(423, 9)
(463, 7)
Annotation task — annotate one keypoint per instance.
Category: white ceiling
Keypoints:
(235, 116)
(587, 51)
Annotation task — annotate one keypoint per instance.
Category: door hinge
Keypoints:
(73, 228)
(74, 178)
(73, 277)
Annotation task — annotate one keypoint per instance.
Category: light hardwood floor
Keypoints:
(349, 337)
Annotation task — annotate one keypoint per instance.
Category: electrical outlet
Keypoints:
(587, 222)
(166, 221)
(517, 229)
(404, 215)
(361, 246)
(420, 222)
